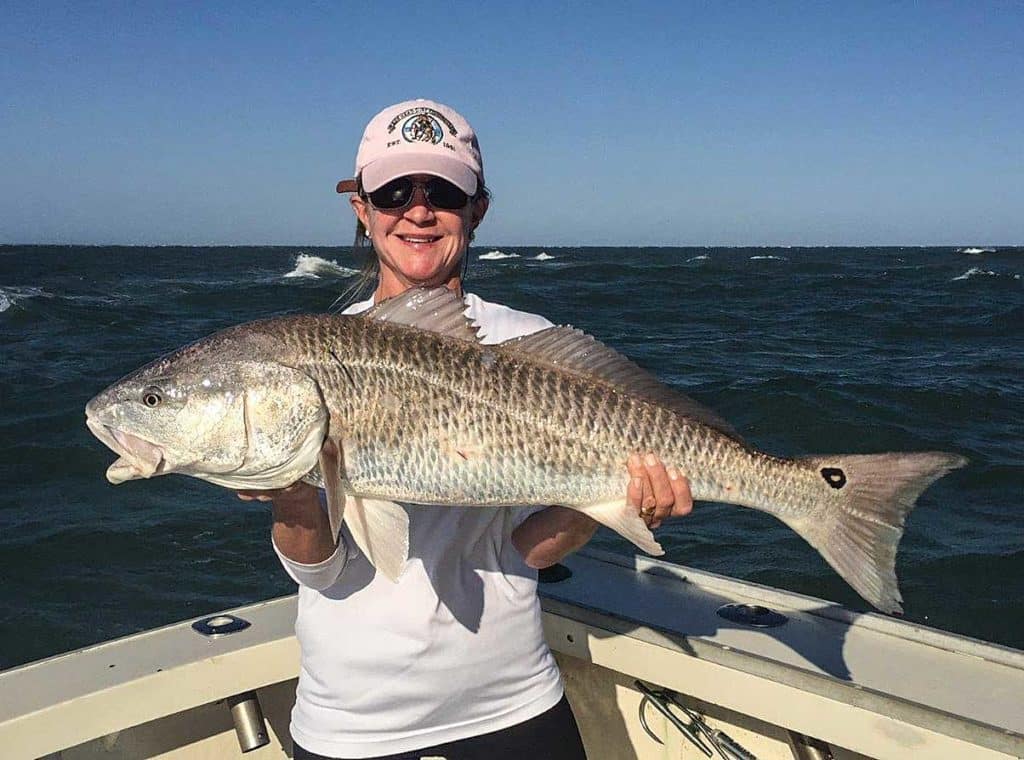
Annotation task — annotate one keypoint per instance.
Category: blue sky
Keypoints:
(713, 123)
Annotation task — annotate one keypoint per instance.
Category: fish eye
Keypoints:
(152, 397)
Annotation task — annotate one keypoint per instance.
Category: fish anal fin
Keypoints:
(624, 520)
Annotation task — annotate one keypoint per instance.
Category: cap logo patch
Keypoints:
(422, 128)
(430, 113)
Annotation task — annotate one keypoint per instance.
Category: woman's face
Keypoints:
(419, 245)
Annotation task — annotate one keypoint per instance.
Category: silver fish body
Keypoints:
(424, 413)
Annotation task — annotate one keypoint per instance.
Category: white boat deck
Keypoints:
(922, 676)
(865, 682)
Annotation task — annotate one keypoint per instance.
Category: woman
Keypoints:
(450, 661)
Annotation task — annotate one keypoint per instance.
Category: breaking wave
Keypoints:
(973, 250)
(768, 258)
(10, 296)
(979, 272)
(495, 255)
(702, 257)
(543, 256)
(316, 268)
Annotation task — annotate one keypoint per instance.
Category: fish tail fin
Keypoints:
(624, 520)
(858, 520)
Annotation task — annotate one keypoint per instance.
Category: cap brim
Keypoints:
(347, 186)
(378, 173)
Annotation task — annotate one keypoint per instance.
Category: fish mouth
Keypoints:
(137, 457)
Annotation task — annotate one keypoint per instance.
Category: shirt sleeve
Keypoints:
(320, 575)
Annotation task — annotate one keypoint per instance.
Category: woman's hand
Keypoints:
(301, 528)
(658, 492)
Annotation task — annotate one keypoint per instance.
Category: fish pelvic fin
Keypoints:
(330, 473)
(381, 531)
(624, 520)
(379, 528)
(858, 522)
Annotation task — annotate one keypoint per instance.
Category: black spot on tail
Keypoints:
(834, 476)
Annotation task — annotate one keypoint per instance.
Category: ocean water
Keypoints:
(805, 350)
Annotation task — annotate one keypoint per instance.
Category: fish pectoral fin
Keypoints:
(381, 531)
(624, 520)
(330, 472)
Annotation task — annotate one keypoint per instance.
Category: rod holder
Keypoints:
(250, 728)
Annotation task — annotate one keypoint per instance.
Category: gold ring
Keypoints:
(647, 511)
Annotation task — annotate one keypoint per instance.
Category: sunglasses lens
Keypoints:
(398, 193)
(395, 194)
(443, 194)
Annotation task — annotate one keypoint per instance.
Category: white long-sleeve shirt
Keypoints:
(453, 649)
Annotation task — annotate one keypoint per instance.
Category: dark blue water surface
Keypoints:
(805, 350)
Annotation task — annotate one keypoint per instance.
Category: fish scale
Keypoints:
(531, 417)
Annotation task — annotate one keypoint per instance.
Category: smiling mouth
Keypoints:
(419, 239)
(137, 458)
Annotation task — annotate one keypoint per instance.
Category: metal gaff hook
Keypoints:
(661, 699)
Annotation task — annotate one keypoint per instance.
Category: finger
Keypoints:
(647, 503)
(261, 495)
(683, 496)
(661, 489)
(635, 491)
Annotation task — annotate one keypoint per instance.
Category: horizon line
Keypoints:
(523, 245)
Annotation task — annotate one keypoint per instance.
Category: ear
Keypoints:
(361, 209)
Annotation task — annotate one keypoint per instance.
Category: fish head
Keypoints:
(228, 417)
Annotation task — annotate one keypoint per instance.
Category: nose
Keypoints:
(419, 209)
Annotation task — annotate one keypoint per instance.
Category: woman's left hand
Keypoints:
(657, 491)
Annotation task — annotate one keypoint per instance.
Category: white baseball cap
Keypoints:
(417, 137)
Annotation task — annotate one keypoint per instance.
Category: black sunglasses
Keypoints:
(398, 194)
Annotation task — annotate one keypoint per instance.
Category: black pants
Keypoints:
(552, 735)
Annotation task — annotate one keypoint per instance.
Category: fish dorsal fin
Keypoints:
(438, 310)
(571, 350)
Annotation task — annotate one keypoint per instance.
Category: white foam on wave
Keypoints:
(543, 256)
(768, 258)
(495, 255)
(11, 295)
(975, 251)
(314, 267)
(979, 272)
(702, 257)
